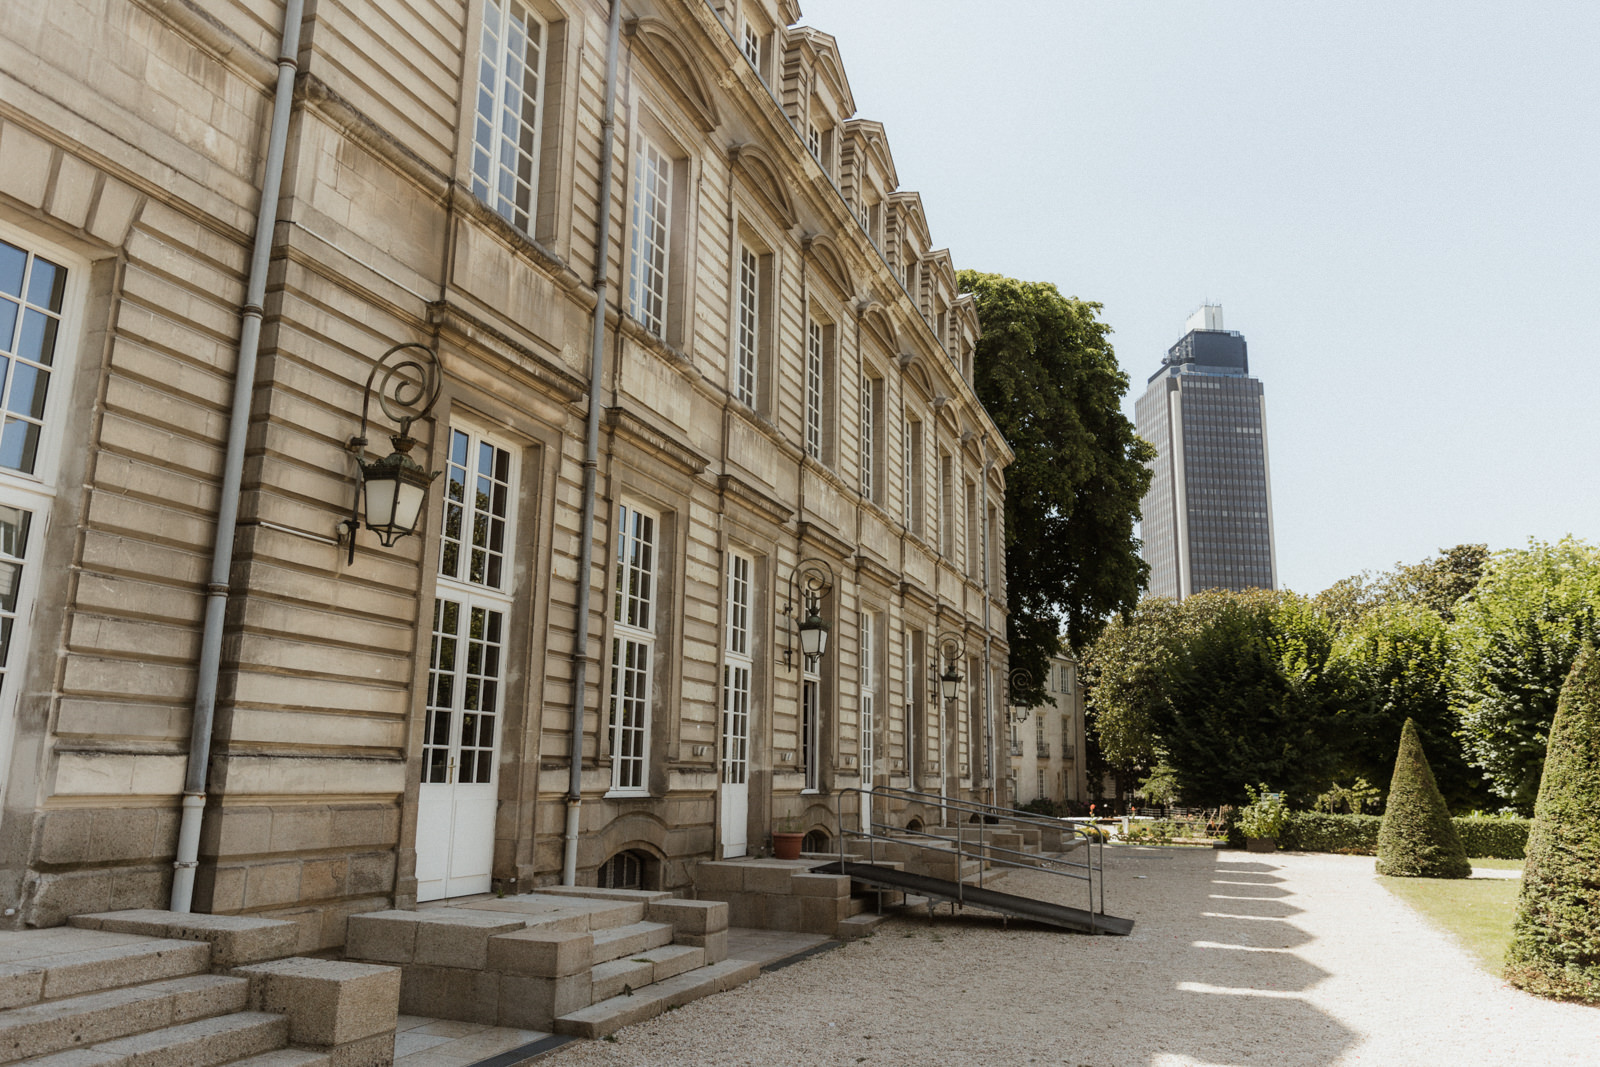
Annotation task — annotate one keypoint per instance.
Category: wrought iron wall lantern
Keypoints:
(953, 648)
(809, 582)
(1020, 678)
(394, 488)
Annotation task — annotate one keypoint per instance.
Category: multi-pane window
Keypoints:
(464, 675)
(31, 292)
(905, 474)
(632, 648)
(814, 140)
(915, 478)
(906, 672)
(651, 219)
(811, 715)
(736, 670)
(871, 406)
(477, 507)
(869, 696)
(505, 144)
(15, 527)
(814, 382)
(749, 333)
(470, 611)
(750, 45)
(947, 517)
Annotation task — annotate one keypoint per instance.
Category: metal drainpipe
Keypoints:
(244, 378)
(591, 452)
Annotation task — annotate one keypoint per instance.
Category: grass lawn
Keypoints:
(1476, 911)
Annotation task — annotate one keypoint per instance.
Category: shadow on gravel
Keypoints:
(1231, 982)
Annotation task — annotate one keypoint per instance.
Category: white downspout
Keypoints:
(591, 453)
(244, 378)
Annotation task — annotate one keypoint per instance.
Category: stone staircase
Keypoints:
(774, 894)
(158, 989)
(571, 960)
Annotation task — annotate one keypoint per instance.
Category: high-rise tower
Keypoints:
(1207, 519)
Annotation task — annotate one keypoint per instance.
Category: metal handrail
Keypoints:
(873, 831)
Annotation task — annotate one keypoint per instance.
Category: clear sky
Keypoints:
(1397, 203)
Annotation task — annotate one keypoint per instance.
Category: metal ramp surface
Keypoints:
(1076, 919)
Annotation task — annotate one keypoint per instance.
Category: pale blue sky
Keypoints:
(1396, 203)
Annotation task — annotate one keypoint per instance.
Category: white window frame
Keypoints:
(737, 668)
(816, 367)
(479, 580)
(637, 564)
(811, 719)
(908, 694)
(869, 437)
(868, 668)
(33, 491)
(504, 107)
(747, 347)
(650, 246)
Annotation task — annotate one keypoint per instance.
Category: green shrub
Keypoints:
(1265, 815)
(1502, 837)
(1555, 942)
(1044, 806)
(1314, 831)
(1417, 838)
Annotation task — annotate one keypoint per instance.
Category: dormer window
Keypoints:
(814, 141)
(751, 46)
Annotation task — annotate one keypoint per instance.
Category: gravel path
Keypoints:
(1289, 960)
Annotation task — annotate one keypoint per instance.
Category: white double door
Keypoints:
(735, 760)
(461, 748)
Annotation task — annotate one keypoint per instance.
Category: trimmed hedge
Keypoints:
(1555, 941)
(1313, 831)
(1499, 836)
(1417, 839)
(1502, 837)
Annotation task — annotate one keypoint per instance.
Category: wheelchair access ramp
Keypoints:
(1009, 904)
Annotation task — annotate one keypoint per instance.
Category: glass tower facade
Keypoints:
(1207, 519)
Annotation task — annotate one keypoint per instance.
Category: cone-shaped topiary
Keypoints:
(1555, 944)
(1417, 839)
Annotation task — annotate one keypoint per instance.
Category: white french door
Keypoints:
(458, 796)
(736, 670)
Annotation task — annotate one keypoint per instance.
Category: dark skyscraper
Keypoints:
(1207, 520)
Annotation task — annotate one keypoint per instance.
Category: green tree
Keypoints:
(1515, 641)
(1123, 679)
(1555, 942)
(1439, 582)
(1048, 377)
(1395, 665)
(1417, 839)
(1247, 697)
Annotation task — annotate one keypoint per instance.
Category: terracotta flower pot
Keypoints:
(786, 846)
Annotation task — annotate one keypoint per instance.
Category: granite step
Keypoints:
(858, 926)
(630, 940)
(224, 1039)
(646, 968)
(285, 1057)
(647, 1002)
(75, 1022)
(105, 962)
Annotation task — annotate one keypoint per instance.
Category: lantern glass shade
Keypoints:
(950, 682)
(394, 489)
(813, 636)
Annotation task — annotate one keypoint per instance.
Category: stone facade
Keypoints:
(1047, 754)
(786, 376)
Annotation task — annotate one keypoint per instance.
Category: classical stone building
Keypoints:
(783, 375)
(1047, 755)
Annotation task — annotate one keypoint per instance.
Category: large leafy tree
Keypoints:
(1516, 639)
(1395, 665)
(1439, 582)
(1123, 675)
(1248, 697)
(1048, 377)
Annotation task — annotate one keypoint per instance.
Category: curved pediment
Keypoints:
(828, 257)
(917, 374)
(669, 58)
(875, 318)
(764, 175)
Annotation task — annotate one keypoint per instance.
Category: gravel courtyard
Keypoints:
(1289, 960)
